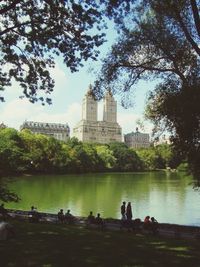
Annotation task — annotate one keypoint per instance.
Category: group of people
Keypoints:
(91, 219)
(150, 223)
(126, 211)
(127, 215)
(67, 217)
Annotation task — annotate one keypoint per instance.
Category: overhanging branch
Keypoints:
(9, 7)
(186, 32)
(196, 15)
(13, 27)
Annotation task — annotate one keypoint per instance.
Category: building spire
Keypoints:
(90, 87)
(109, 92)
(90, 91)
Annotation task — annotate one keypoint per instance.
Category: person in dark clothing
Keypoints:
(61, 216)
(99, 221)
(34, 215)
(147, 223)
(154, 225)
(123, 222)
(91, 218)
(69, 218)
(129, 212)
(123, 209)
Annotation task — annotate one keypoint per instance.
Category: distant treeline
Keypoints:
(25, 152)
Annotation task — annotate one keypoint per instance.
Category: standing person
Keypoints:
(90, 218)
(129, 212)
(123, 210)
(69, 217)
(61, 216)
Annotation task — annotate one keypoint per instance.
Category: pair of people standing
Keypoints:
(126, 211)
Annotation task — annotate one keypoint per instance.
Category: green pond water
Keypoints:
(169, 197)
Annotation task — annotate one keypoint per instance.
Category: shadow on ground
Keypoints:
(47, 245)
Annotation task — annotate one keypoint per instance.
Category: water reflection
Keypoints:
(167, 196)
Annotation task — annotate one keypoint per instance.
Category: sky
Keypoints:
(67, 96)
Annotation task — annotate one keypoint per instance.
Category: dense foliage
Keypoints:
(25, 152)
(34, 32)
(159, 157)
(178, 111)
(161, 40)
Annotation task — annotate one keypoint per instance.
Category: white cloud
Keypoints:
(14, 113)
(71, 116)
(60, 78)
(57, 73)
(128, 122)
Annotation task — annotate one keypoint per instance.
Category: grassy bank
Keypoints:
(51, 245)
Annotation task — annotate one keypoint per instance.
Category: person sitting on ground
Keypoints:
(90, 218)
(61, 216)
(147, 220)
(147, 223)
(153, 220)
(99, 221)
(154, 225)
(34, 215)
(69, 218)
(33, 210)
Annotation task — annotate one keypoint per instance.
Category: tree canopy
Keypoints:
(160, 40)
(34, 32)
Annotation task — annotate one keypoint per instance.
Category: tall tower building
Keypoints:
(109, 108)
(89, 106)
(89, 129)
